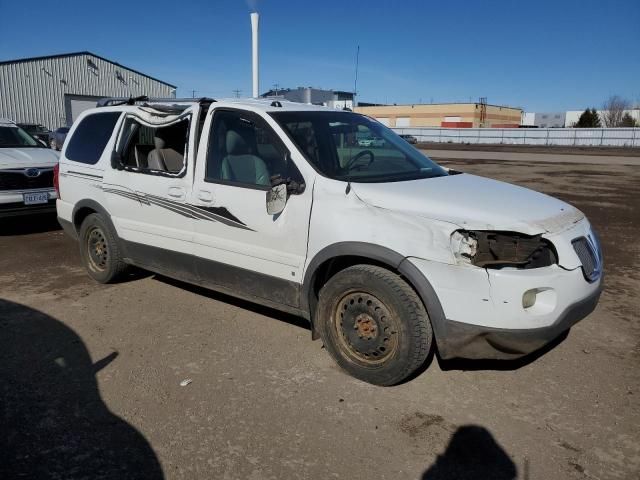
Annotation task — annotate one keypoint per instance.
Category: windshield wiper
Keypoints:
(387, 177)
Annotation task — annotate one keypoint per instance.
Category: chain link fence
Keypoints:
(579, 137)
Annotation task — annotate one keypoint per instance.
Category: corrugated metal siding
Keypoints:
(34, 91)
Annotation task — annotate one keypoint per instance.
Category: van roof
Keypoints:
(271, 104)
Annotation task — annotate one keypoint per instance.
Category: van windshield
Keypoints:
(12, 137)
(351, 147)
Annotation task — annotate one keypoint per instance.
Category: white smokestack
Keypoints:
(255, 19)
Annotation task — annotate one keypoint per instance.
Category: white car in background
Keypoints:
(26, 173)
(376, 142)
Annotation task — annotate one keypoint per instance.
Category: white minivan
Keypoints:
(386, 253)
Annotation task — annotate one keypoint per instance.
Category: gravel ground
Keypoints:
(92, 376)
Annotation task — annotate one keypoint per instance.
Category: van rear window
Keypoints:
(91, 136)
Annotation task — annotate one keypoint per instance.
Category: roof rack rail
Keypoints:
(115, 101)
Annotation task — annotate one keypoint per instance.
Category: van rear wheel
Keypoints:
(100, 251)
(373, 324)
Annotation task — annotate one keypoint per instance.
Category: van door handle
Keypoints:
(176, 192)
(205, 196)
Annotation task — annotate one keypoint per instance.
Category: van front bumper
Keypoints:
(483, 315)
(465, 340)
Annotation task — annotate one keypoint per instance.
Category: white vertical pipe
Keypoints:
(255, 18)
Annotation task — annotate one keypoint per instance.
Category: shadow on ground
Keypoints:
(472, 454)
(53, 421)
(502, 365)
(237, 302)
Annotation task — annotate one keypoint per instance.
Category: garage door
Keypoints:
(383, 120)
(403, 122)
(76, 104)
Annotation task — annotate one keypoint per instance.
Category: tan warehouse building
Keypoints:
(453, 115)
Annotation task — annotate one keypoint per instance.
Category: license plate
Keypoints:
(35, 198)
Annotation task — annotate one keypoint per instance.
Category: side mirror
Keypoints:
(276, 199)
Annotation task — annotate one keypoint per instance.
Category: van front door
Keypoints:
(243, 249)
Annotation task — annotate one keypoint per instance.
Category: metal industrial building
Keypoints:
(454, 115)
(55, 89)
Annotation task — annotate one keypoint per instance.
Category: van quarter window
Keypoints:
(91, 137)
(151, 149)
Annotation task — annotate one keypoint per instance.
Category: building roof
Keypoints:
(75, 54)
(432, 104)
(282, 91)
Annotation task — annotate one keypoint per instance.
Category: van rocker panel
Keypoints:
(231, 280)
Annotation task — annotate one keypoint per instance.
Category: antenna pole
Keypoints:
(355, 83)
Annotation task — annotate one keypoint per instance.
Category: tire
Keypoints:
(100, 251)
(373, 324)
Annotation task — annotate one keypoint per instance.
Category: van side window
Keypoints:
(91, 137)
(152, 149)
(243, 150)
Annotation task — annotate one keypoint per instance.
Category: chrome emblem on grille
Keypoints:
(32, 172)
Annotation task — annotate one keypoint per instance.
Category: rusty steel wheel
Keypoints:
(373, 324)
(365, 328)
(100, 250)
(97, 249)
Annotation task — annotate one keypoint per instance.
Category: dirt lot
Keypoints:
(90, 375)
(543, 149)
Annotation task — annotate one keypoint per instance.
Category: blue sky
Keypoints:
(540, 55)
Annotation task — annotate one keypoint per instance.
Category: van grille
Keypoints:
(588, 251)
(18, 179)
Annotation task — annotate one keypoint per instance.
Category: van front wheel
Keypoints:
(373, 324)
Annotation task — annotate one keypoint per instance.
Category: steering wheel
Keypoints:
(353, 161)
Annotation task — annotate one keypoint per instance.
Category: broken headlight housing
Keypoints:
(488, 249)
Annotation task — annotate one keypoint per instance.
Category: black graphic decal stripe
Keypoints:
(205, 213)
(214, 214)
(161, 202)
(188, 209)
(83, 174)
(82, 177)
(130, 195)
(193, 211)
(219, 214)
(147, 200)
(222, 212)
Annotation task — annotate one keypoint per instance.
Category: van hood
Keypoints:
(473, 203)
(27, 157)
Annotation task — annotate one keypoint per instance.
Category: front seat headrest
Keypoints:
(159, 143)
(236, 144)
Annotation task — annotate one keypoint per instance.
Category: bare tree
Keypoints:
(614, 111)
